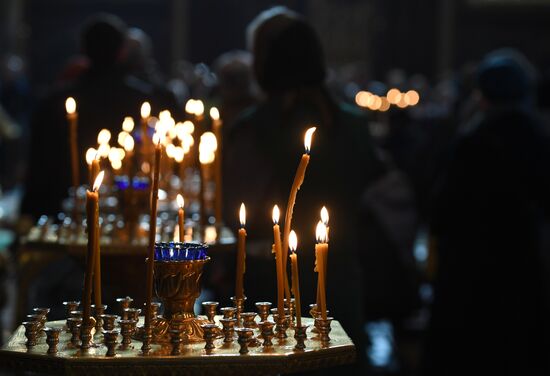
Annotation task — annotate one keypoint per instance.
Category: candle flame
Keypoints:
(190, 106)
(180, 200)
(214, 113)
(156, 139)
(276, 214)
(179, 153)
(307, 138)
(70, 105)
(116, 164)
(104, 136)
(145, 110)
(129, 143)
(324, 216)
(242, 215)
(321, 233)
(128, 124)
(199, 107)
(98, 180)
(292, 241)
(91, 154)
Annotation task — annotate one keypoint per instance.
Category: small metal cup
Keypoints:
(263, 310)
(210, 310)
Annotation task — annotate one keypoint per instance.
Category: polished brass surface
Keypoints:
(263, 310)
(223, 360)
(210, 309)
(300, 337)
(324, 328)
(266, 330)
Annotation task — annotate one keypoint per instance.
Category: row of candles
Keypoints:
(282, 245)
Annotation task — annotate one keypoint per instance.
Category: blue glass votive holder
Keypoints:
(122, 182)
(177, 251)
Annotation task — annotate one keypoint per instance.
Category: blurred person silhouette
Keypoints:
(488, 311)
(104, 93)
(261, 155)
(236, 87)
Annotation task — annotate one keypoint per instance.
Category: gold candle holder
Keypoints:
(228, 329)
(263, 310)
(228, 312)
(52, 339)
(239, 305)
(245, 335)
(74, 326)
(210, 310)
(31, 332)
(300, 336)
(267, 332)
(124, 303)
(110, 338)
(323, 326)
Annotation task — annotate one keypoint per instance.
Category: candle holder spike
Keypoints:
(245, 334)
(52, 339)
(98, 312)
(228, 329)
(109, 338)
(228, 312)
(239, 305)
(210, 310)
(31, 332)
(209, 331)
(267, 334)
(109, 321)
(263, 310)
(124, 303)
(74, 326)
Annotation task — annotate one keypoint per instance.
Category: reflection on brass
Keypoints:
(248, 320)
(98, 311)
(131, 313)
(228, 312)
(74, 327)
(109, 321)
(228, 329)
(281, 327)
(110, 338)
(127, 328)
(123, 303)
(86, 335)
(31, 332)
(52, 339)
(210, 310)
(209, 335)
(239, 305)
(245, 335)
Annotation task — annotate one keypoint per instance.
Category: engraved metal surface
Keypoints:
(224, 359)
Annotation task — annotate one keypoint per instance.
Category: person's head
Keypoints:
(103, 39)
(287, 51)
(505, 76)
(234, 71)
(140, 50)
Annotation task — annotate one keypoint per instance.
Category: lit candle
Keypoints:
(145, 113)
(207, 156)
(293, 244)
(278, 261)
(92, 222)
(152, 236)
(298, 180)
(324, 220)
(129, 148)
(72, 117)
(181, 214)
(321, 251)
(241, 255)
(217, 128)
(92, 158)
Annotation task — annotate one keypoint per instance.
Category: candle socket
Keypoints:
(31, 332)
(38, 319)
(147, 337)
(43, 313)
(315, 314)
(228, 312)
(263, 310)
(228, 328)
(109, 338)
(209, 335)
(239, 305)
(98, 312)
(109, 321)
(176, 338)
(155, 309)
(86, 335)
(281, 327)
(210, 310)
(124, 303)
(52, 339)
(300, 336)
(245, 335)
(248, 320)
(70, 306)
(77, 314)
(127, 328)
(266, 328)
(74, 326)
(323, 326)
(131, 314)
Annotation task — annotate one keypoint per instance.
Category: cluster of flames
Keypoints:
(393, 97)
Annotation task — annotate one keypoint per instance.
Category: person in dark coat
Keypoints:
(262, 152)
(488, 312)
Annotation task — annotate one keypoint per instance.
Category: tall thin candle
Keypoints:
(152, 236)
(324, 219)
(321, 250)
(72, 117)
(92, 214)
(298, 180)
(278, 261)
(293, 244)
(217, 128)
(181, 215)
(241, 255)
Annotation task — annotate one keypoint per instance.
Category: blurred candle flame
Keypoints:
(214, 113)
(180, 200)
(307, 138)
(98, 180)
(70, 105)
(145, 110)
(324, 216)
(242, 215)
(292, 241)
(276, 214)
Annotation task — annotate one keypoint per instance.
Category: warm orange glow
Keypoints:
(156, 138)
(116, 164)
(276, 214)
(362, 98)
(104, 136)
(179, 153)
(376, 103)
(70, 105)
(321, 233)
(207, 157)
(98, 180)
(188, 127)
(129, 143)
(146, 168)
(307, 139)
(199, 109)
(190, 106)
(209, 141)
(324, 216)
(242, 215)
(91, 154)
(393, 95)
(170, 150)
(385, 104)
(412, 97)
(180, 201)
(214, 113)
(122, 137)
(103, 150)
(145, 110)
(128, 124)
(402, 102)
(114, 155)
(165, 114)
(292, 241)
